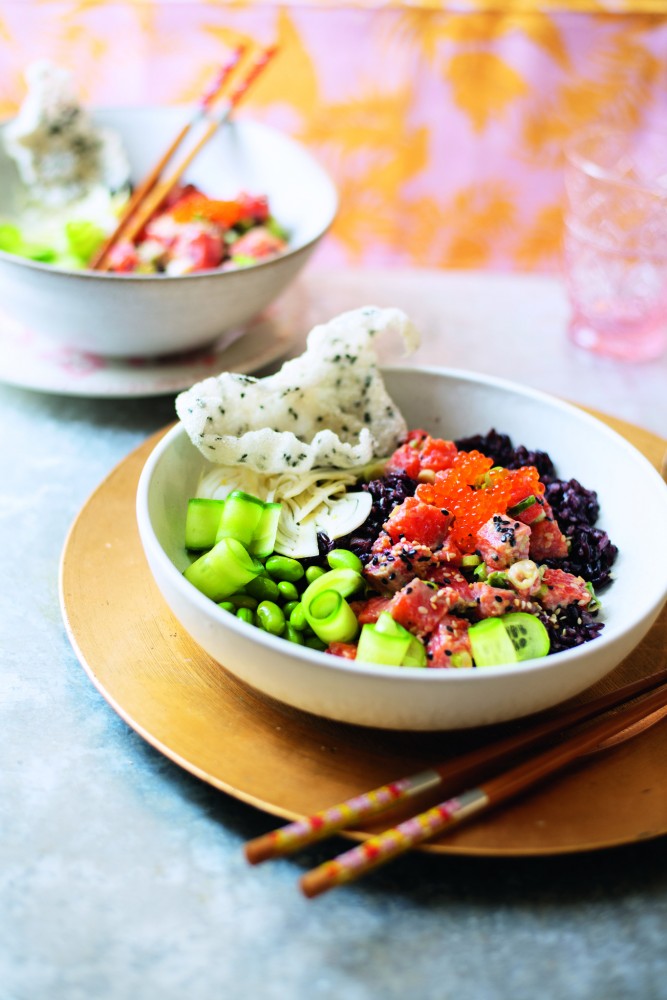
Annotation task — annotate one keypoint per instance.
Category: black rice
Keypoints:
(387, 492)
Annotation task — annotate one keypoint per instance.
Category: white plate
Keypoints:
(35, 362)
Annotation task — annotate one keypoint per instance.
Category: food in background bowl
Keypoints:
(127, 314)
(192, 232)
(450, 406)
(76, 182)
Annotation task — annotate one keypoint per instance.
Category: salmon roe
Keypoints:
(473, 490)
(198, 206)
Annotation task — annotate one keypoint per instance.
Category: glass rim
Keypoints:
(589, 166)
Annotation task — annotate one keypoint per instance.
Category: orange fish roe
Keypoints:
(198, 206)
(525, 481)
(473, 491)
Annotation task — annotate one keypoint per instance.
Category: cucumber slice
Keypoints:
(331, 618)
(414, 654)
(375, 646)
(344, 581)
(223, 570)
(264, 539)
(508, 639)
(240, 517)
(491, 644)
(527, 633)
(201, 522)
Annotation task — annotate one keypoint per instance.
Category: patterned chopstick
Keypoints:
(151, 192)
(380, 849)
(156, 196)
(302, 832)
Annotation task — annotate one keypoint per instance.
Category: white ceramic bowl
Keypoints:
(119, 315)
(450, 404)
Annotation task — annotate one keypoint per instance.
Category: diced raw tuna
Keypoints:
(257, 243)
(421, 452)
(392, 566)
(418, 522)
(448, 553)
(547, 541)
(419, 608)
(447, 577)
(502, 541)
(536, 512)
(368, 612)
(347, 650)
(449, 645)
(123, 258)
(563, 589)
(196, 249)
(255, 207)
(494, 601)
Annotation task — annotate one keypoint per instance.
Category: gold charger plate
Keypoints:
(291, 764)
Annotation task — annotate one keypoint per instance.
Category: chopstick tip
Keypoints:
(258, 850)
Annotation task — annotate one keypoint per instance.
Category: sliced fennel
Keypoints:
(310, 502)
(297, 536)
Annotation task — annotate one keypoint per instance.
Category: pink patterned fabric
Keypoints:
(441, 123)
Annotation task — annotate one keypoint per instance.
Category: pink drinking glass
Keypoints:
(615, 241)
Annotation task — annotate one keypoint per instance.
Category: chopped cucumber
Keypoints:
(491, 644)
(343, 581)
(240, 517)
(223, 570)
(389, 643)
(331, 618)
(264, 539)
(201, 522)
(508, 639)
(529, 636)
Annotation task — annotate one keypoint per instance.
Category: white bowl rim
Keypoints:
(339, 664)
(89, 275)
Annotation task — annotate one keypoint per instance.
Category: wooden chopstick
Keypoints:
(380, 849)
(151, 196)
(99, 261)
(468, 767)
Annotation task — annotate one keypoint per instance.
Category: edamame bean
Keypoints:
(270, 617)
(246, 615)
(292, 635)
(313, 642)
(243, 601)
(288, 591)
(297, 618)
(289, 607)
(314, 572)
(284, 568)
(227, 606)
(263, 588)
(344, 559)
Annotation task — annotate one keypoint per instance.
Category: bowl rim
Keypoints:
(399, 674)
(89, 275)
